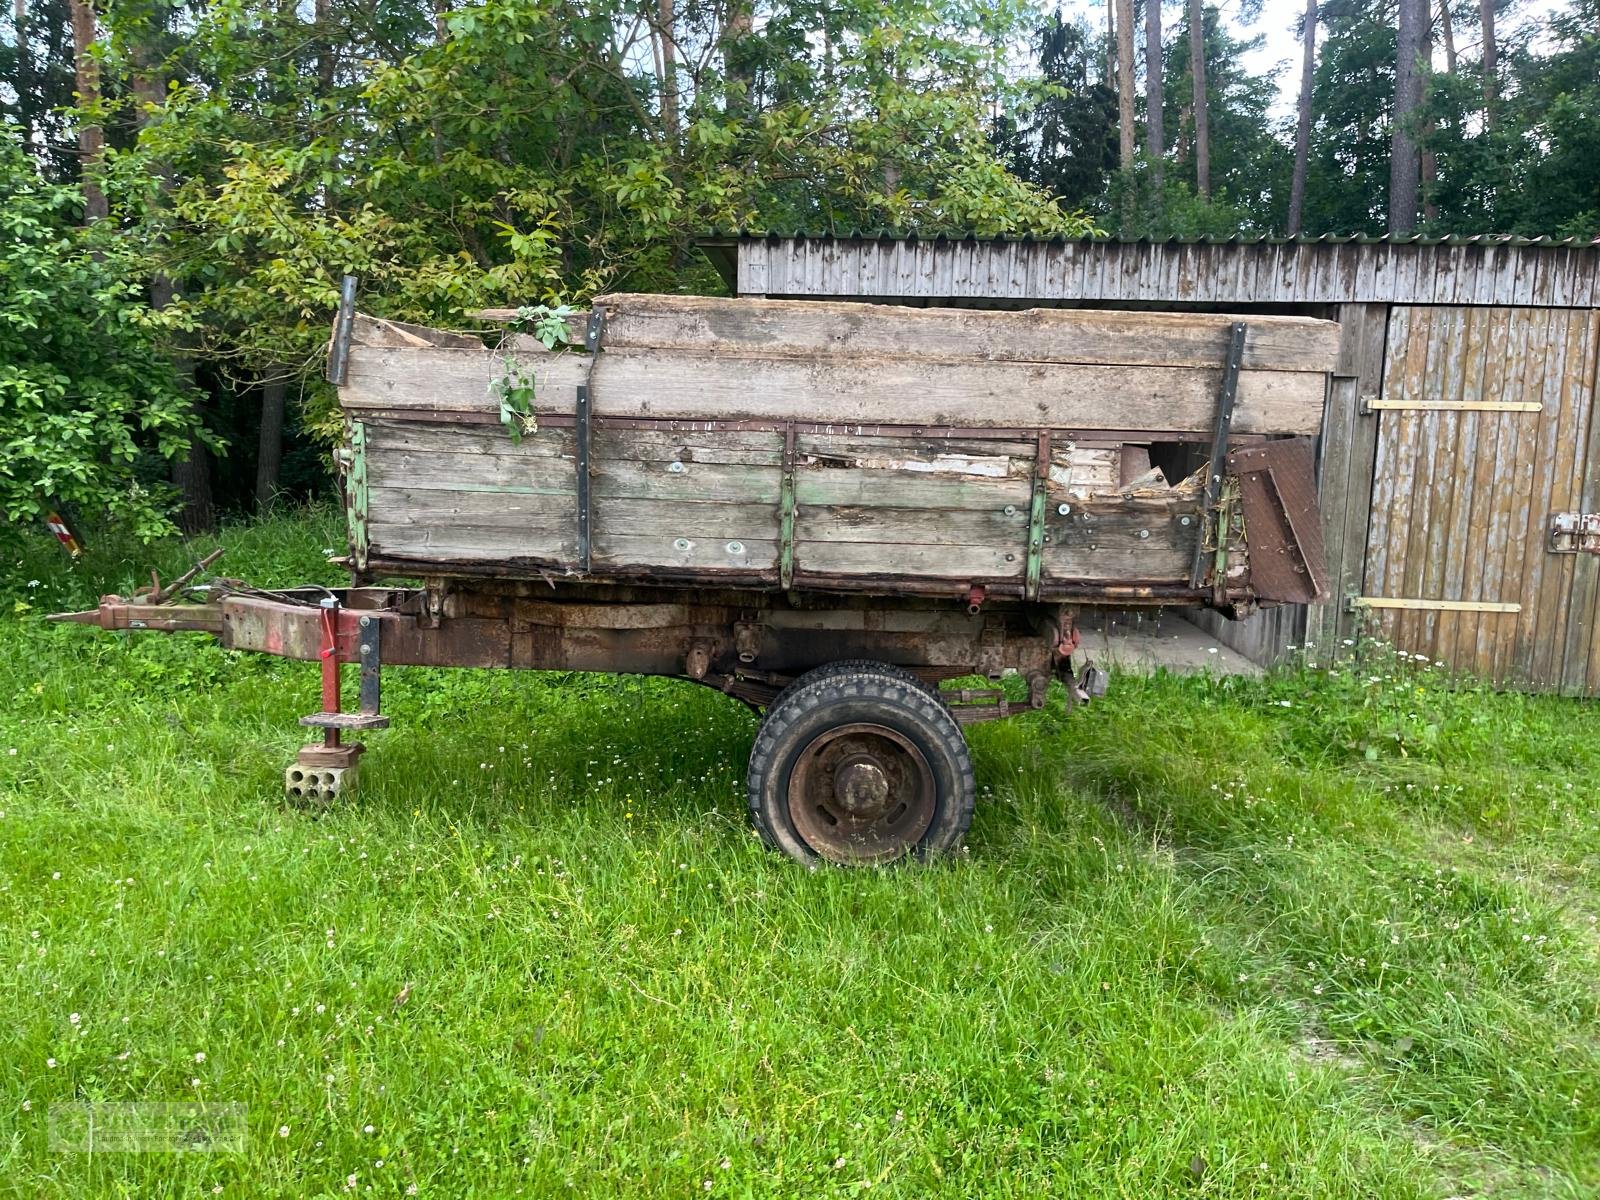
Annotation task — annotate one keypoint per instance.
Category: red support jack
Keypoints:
(320, 773)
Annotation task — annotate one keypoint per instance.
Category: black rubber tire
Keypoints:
(848, 666)
(871, 693)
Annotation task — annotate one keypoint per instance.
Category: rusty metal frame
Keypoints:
(1283, 529)
(747, 646)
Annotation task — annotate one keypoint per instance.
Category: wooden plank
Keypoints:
(1418, 437)
(673, 383)
(1584, 608)
(444, 543)
(912, 526)
(504, 473)
(699, 385)
(957, 563)
(1538, 453)
(419, 437)
(488, 510)
(811, 328)
(1555, 598)
(1485, 372)
(758, 449)
(906, 489)
(451, 380)
(657, 482)
(620, 550)
(382, 332)
(1423, 604)
(1347, 477)
(1446, 405)
(500, 511)
(1486, 559)
(1447, 487)
(1519, 460)
(852, 446)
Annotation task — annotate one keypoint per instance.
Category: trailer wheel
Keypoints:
(859, 767)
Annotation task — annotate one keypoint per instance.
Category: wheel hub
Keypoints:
(860, 785)
(861, 793)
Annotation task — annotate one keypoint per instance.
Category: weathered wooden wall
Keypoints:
(1464, 490)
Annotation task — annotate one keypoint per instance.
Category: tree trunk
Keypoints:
(1448, 30)
(1491, 66)
(1302, 129)
(23, 77)
(1111, 46)
(322, 16)
(736, 27)
(1129, 140)
(1404, 167)
(1155, 97)
(269, 444)
(667, 16)
(1202, 119)
(1429, 159)
(91, 138)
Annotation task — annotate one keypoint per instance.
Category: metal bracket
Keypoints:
(369, 645)
(1574, 533)
(1227, 394)
(1041, 473)
(339, 347)
(584, 432)
(786, 512)
(584, 429)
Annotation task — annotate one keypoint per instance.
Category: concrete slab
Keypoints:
(1142, 642)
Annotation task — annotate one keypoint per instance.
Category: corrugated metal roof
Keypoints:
(1361, 239)
(1482, 270)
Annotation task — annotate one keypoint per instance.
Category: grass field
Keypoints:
(1326, 934)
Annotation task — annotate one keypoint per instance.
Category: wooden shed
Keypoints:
(1459, 456)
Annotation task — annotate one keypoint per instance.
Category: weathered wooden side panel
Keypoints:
(805, 445)
(1464, 491)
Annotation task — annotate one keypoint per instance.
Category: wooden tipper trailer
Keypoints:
(825, 510)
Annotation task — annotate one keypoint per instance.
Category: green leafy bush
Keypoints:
(86, 394)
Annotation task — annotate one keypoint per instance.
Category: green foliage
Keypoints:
(514, 386)
(87, 399)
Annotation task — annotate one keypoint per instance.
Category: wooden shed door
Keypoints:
(1485, 432)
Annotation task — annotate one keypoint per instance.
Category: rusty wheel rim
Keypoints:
(861, 793)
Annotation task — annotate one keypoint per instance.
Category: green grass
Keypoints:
(1322, 934)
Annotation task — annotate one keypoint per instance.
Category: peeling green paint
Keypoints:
(357, 498)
